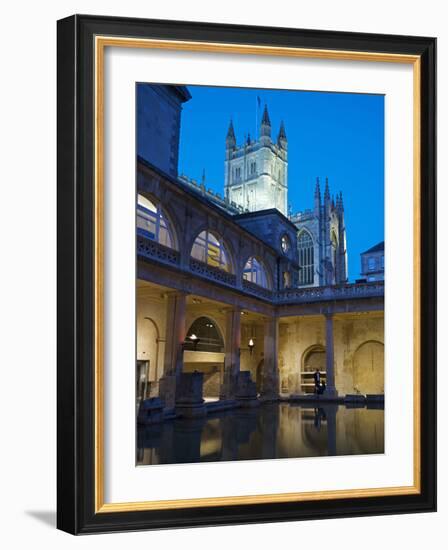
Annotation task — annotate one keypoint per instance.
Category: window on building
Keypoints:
(255, 272)
(152, 222)
(253, 168)
(305, 247)
(286, 279)
(210, 249)
(371, 264)
(285, 243)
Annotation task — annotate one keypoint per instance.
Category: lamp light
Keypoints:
(193, 338)
(251, 345)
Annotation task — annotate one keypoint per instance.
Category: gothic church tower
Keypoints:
(321, 240)
(256, 172)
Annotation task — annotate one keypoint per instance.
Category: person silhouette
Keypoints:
(316, 377)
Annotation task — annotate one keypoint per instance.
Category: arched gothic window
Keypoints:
(152, 223)
(210, 249)
(305, 247)
(255, 272)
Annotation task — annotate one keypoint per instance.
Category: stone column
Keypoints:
(270, 379)
(232, 353)
(175, 337)
(329, 352)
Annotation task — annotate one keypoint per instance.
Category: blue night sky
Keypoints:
(337, 135)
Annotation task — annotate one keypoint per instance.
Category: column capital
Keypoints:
(174, 293)
(232, 309)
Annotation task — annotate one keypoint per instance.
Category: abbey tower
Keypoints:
(256, 172)
(256, 179)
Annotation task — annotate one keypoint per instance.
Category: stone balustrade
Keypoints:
(257, 290)
(330, 293)
(147, 248)
(152, 250)
(211, 272)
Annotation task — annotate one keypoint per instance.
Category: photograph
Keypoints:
(260, 269)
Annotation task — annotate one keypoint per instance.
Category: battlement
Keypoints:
(214, 196)
(302, 216)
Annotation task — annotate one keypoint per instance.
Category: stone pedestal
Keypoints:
(246, 390)
(167, 390)
(150, 411)
(189, 401)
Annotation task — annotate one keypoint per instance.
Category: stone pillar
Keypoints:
(175, 337)
(232, 353)
(270, 378)
(329, 352)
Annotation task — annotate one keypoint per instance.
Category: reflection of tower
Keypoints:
(256, 173)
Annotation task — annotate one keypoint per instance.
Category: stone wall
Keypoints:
(358, 351)
(158, 115)
(151, 334)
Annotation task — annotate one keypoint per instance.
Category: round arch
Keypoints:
(309, 354)
(155, 218)
(209, 334)
(314, 357)
(368, 367)
(255, 270)
(148, 343)
(211, 248)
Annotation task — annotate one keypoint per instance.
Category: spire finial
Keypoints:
(317, 198)
(231, 131)
(327, 190)
(230, 138)
(265, 129)
(266, 119)
(282, 140)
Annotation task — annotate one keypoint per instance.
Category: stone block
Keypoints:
(189, 400)
(150, 411)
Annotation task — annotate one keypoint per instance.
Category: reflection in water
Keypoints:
(276, 430)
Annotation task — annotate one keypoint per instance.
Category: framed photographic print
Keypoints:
(246, 274)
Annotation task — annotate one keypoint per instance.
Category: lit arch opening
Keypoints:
(210, 249)
(206, 336)
(152, 222)
(255, 272)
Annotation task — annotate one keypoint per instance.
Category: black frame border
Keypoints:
(76, 263)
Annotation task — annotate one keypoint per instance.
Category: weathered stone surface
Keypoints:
(189, 401)
(150, 411)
